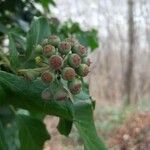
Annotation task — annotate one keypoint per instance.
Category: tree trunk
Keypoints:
(130, 57)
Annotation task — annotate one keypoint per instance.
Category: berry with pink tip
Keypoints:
(68, 73)
(54, 40)
(74, 60)
(72, 41)
(48, 50)
(82, 70)
(80, 50)
(75, 86)
(47, 77)
(64, 48)
(56, 62)
(86, 61)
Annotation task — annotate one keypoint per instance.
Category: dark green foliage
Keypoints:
(21, 87)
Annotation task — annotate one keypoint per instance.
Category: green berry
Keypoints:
(38, 49)
(74, 60)
(68, 73)
(47, 77)
(44, 42)
(80, 50)
(75, 86)
(38, 60)
(82, 70)
(46, 94)
(54, 40)
(86, 61)
(64, 48)
(48, 50)
(56, 62)
(61, 95)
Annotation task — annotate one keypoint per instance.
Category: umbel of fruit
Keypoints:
(80, 50)
(61, 94)
(48, 50)
(55, 62)
(74, 60)
(82, 70)
(64, 48)
(54, 40)
(75, 86)
(46, 94)
(47, 77)
(68, 73)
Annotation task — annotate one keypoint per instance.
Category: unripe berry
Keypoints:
(68, 73)
(44, 42)
(47, 77)
(80, 50)
(48, 50)
(86, 61)
(72, 41)
(75, 86)
(82, 70)
(46, 94)
(74, 60)
(54, 40)
(38, 60)
(61, 95)
(55, 62)
(64, 48)
(38, 49)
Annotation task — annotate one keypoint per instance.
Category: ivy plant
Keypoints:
(35, 83)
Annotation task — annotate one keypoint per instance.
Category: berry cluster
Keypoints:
(67, 60)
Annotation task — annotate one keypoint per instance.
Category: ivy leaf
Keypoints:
(14, 59)
(23, 94)
(32, 133)
(2, 95)
(39, 30)
(64, 126)
(83, 119)
(27, 95)
(3, 144)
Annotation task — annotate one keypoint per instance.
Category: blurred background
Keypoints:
(118, 36)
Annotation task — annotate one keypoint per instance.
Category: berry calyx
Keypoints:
(80, 50)
(55, 62)
(54, 40)
(61, 95)
(64, 48)
(82, 70)
(74, 60)
(75, 86)
(47, 77)
(46, 94)
(68, 73)
(48, 50)
(38, 49)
